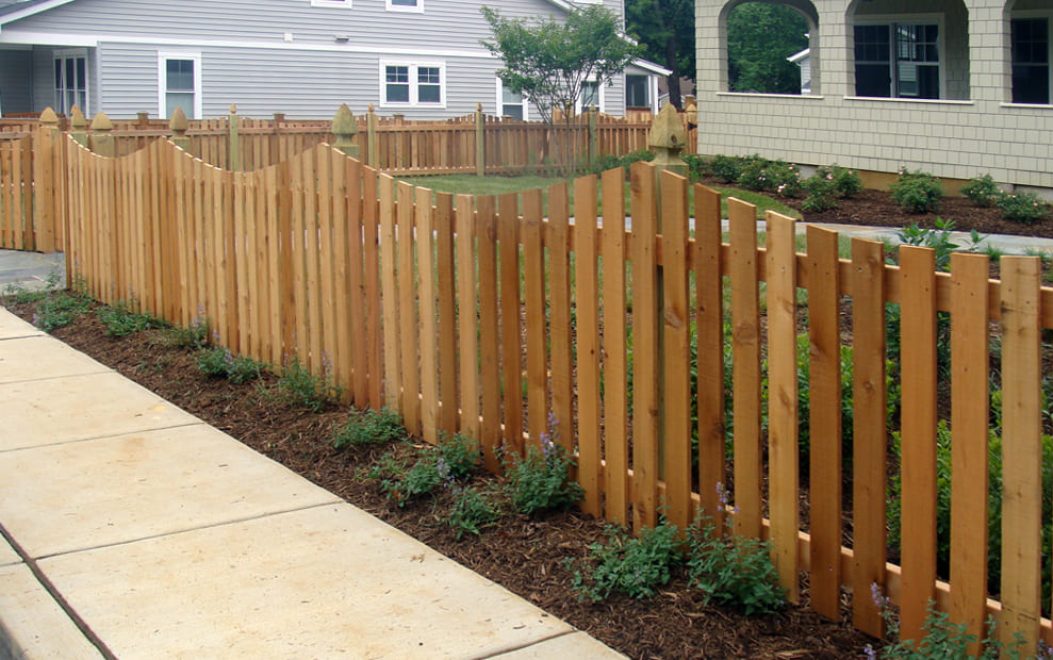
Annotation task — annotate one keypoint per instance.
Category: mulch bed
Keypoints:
(526, 556)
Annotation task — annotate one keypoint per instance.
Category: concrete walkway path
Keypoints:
(132, 529)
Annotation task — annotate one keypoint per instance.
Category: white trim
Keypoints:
(331, 4)
(413, 65)
(162, 80)
(77, 53)
(907, 99)
(651, 67)
(797, 57)
(416, 9)
(32, 11)
(601, 92)
(69, 39)
(1043, 107)
(758, 95)
(654, 95)
(1029, 14)
(500, 107)
(907, 19)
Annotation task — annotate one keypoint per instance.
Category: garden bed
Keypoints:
(528, 556)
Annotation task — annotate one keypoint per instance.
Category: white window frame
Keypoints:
(652, 89)
(162, 80)
(891, 20)
(65, 54)
(418, 9)
(501, 102)
(413, 66)
(601, 89)
(331, 4)
(1031, 14)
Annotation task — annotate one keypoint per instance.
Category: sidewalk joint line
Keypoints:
(106, 370)
(526, 645)
(198, 422)
(178, 532)
(39, 334)
(59, 599)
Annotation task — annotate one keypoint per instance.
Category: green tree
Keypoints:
(760, 38)
(666, 30)
(550, 61)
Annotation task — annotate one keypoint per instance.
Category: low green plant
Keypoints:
(299, 387)
(541, 480)
(698, 167)
(727, 169)
(1023, 207)
(917, 192)
(982, 191)
(470, 512)
(847, 183)
(611, 162)
(221, 363)
(59, 309)
(938, 237)
(755, 174)
(733, 571)
(371, 427)
(194, 337)
(454, 459)
(820, 194)
(636, 567)
(120, 321)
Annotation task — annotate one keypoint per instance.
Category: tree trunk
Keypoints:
(672, 63)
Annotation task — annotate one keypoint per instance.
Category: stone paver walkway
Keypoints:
(132, 529)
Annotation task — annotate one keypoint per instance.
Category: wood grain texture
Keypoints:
(615, 440)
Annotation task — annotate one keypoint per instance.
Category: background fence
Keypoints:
(669, 358)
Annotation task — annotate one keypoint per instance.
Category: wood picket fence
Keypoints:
(486, 316)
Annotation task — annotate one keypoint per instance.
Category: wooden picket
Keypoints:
(436, 307)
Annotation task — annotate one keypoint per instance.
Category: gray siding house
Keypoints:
(419, 58)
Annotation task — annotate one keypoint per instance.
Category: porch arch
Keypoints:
(804, 7)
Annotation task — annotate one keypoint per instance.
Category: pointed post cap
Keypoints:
(344, 122)
(77, 119)
(178, 122)
(667, 131)
(48, 116)
(371, 108)
(478, 107)
(233, 108)
(101, 122)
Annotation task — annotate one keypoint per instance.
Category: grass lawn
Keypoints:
(496, 185)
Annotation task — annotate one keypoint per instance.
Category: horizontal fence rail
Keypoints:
(667, 356)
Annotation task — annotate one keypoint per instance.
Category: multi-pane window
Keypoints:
(590, 95)
(512, 104)
(180, 86)
(637, 92)
(1030, 40)
(71, 83)
(406, 83)
(898, 60)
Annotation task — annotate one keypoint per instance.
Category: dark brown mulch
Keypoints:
(526, 556)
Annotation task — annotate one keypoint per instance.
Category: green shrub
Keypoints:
(734, 571)
(59, 309)
(982, 191)
(938, 238)
(470, 513)
(454, 459)
(609, 162)
(221, 363)
(698, 167)
(1024, 207)
(299, 387)
(372, 427)
(819, 194)
(120, 321)
(917, 192)
(727, 169)
(847, 183)
(195, 337)
(541, 481)
(786, 179)
(635, 567)
(755, 174)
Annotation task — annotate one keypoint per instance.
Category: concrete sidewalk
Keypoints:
(133, 529)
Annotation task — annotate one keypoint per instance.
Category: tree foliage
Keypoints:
(550, 61)
(666, 31)
(760, 38)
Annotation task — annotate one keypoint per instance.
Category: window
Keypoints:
(180, 84)
(509, 103)
(898, 60)
(410, 84)
(405, 5)
(591, 95)
(1030, 42)
(637, 92)
(71, 81)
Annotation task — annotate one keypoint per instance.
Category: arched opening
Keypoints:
(770, 47)
(1029, 23)
(909, 50)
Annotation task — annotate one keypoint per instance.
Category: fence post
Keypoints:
(594, 135)
(101, 139)
(234, 140)
(276, 155)
(480, 140)
(178, 125)
(78, 126)
(345, 128)
(44, 175)
(371, 137)
(142, 119)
